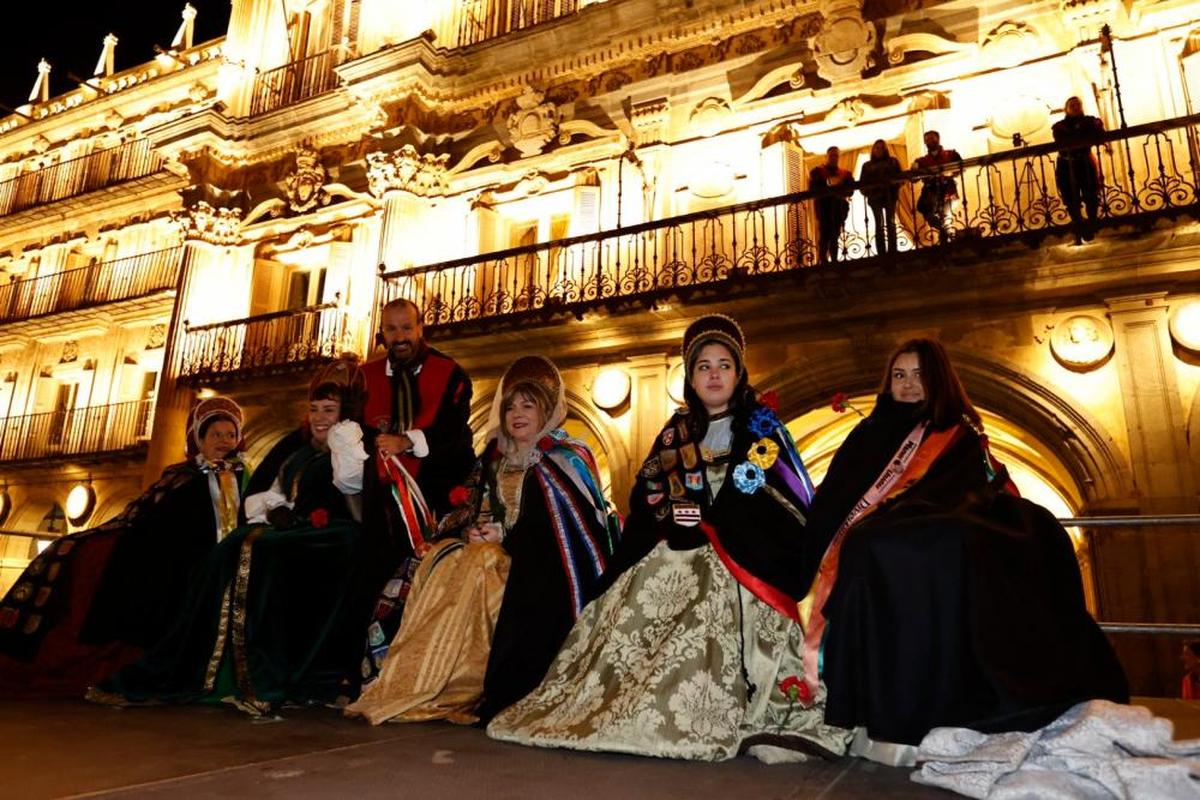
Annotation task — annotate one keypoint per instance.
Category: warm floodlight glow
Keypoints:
(611, 388)
(80, 502)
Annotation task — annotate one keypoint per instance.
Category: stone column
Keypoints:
(649, 409)
(407, 181)
(1148, 574)
(208, 234)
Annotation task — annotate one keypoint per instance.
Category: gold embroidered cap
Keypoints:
(532, 369)
(713, 328)
(206, 409)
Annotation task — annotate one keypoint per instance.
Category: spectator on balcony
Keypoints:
(515, 559)
(275, 617)
(92, 600)
(1076, 173)
(939, 190)
(1190, 688)
(420, 401)
(693, 649)
(832, 186)
(941, 597)
(879, 182)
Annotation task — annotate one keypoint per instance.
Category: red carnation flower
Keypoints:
(796, 690)
(459, 496)
(840, 402)
(770, 400)
(545, 443)
(319, 518)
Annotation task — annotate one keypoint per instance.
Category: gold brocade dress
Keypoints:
(676, 660)
(436, 665)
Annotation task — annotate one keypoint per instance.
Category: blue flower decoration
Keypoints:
(763, 422)
(748, 478)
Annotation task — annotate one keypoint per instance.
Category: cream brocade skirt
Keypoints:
(435, 666)
(654, 667)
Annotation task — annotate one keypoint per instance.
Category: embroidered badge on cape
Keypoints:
(652, 468)
(686, 514)
(693, 481)
(668, 437)
(676, 486)
(683, 432)
(654, 498)
(661, 513)
(669, 459)
(687, 454)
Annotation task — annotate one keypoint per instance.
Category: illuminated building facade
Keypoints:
(580, 179)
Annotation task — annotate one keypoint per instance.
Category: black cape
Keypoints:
(956, 604)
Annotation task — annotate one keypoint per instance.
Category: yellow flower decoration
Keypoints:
(763, 453)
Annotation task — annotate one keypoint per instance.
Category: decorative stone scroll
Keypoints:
(534, 124)
(406, 170)
(204, 223)
(844, 45)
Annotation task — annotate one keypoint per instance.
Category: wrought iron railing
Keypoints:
(77, 176)
(102, 282)
(76, 431)
(293, 82)
(1142, 173)
(267, 343)
(474, 21)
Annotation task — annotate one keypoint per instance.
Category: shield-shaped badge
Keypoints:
(687, 454)
(676, 486)
(668, 437)
(669, 459)
(693, 481)
(686, 514)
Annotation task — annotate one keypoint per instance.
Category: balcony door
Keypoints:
(64, 410)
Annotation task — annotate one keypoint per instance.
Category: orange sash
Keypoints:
(911, 463)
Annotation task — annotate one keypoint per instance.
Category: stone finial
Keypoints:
(183, 37)
(104, 67)
(41, 87)
(201, 222)
(406, 170)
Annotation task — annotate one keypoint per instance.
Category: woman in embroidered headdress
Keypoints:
(694, 651)
(494, 598)
(269, 622)
(941, 598)
(92, 600)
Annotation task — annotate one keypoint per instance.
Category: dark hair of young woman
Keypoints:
(946, 400)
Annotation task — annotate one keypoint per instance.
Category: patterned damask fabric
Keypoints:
(655, 667)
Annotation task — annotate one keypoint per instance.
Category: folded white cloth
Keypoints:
(1097, 749)
(347, 454)
(259, 503)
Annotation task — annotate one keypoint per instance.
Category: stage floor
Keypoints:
(74, 749)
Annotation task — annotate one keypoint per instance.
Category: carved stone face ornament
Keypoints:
(305, 185)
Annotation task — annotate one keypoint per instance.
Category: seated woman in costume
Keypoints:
(269, 621)
(90, 602)
(493, 600)
(694, 651)
(941, 598)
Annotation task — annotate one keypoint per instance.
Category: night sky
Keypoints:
(70, 35)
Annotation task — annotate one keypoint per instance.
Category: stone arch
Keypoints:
(1076, 439)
